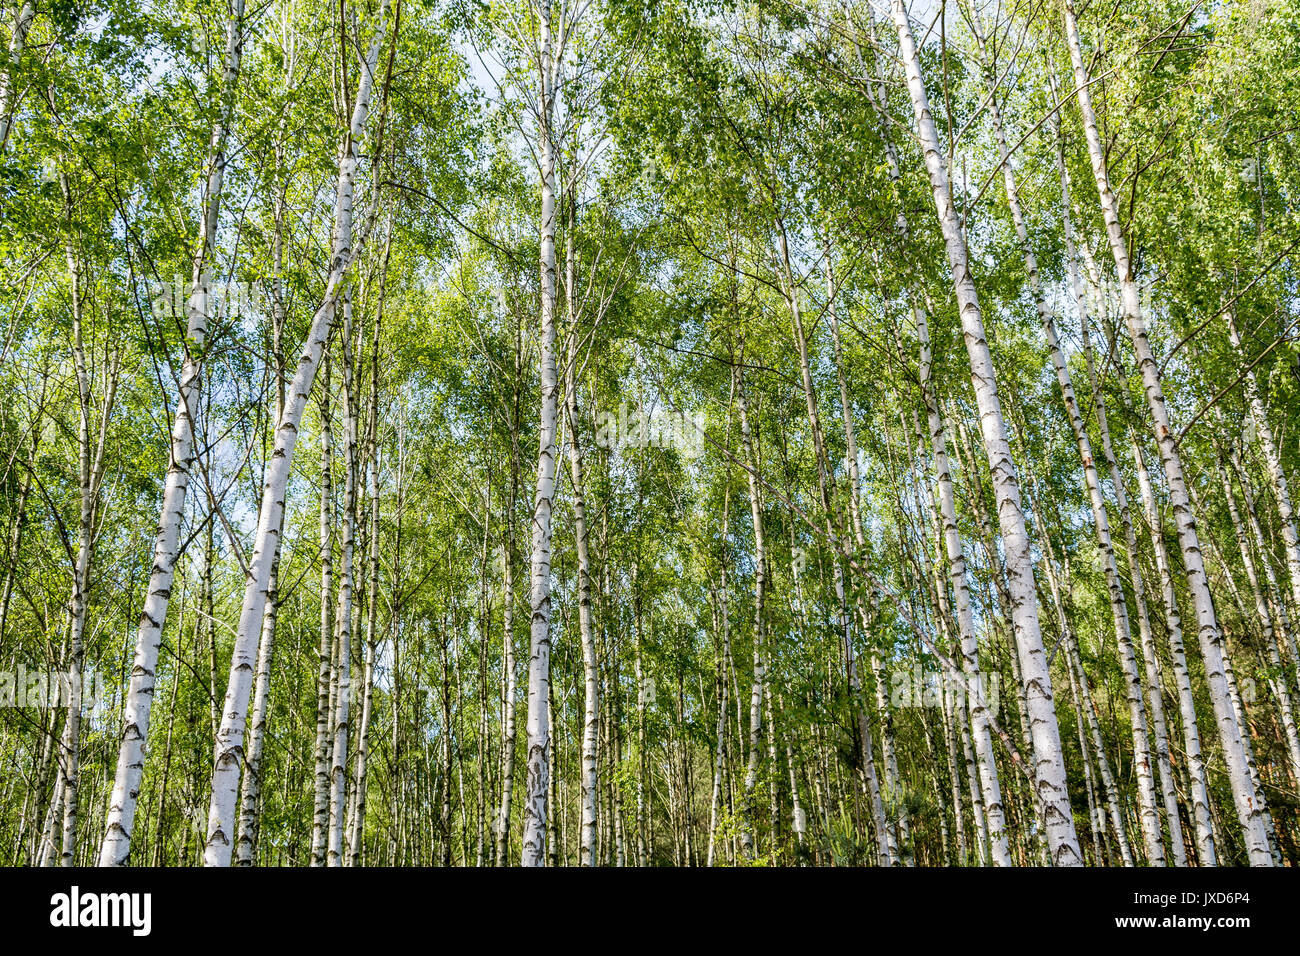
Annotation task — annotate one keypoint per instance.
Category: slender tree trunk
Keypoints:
(26, 14)
(886, 836)
(1231, 733)
(993, 822)
(90, 474)
(341, 713)
(251, 784)
(1273, 463)
(1151, 657)
(642, 758)
(1113, 799)
(754, 752)
(990, 789)
(230, 738)
(1239, 708)
(120, 819)
(325, 658)
(539, 662)
(1096, 817)
(167, 749)
(1148, 811)
(1050, 773)
(591, 680)
(359, 784)
(1270, 612)
(508, 658)
(723, 627)
(1198, 790)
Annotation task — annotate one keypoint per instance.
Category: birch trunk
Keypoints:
(230, 738)
(341, 714)
(358, 818)
(1199, 792)
(539, 661)
(723, 626)
(1113, 799)
(1239, 708)
(1231, 733)
(7, 86)
(325, 655)
(591, 680)
(888, 837)
(1096, 818)
(1050, 773)
(1155, 680)
(1273, 463)
(1148, 813)
(90, 473)
(993, 820)
(760, 591)
(251, 785)
(509, 676)
(1270, 612)
(120, 818)
(990, 789)
(798, 816)
(70, 742)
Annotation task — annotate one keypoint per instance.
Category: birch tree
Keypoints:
(1208, 631)
(229, 744)
(116, 846)
(1049, 764)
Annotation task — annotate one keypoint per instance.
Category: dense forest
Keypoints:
(649, 432)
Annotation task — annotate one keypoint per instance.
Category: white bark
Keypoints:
(990, 789)
(1049, 761)
(798, 816)
(1096, 816)
(992, 821)
(358, 813)
(1245, 797)
(1148, 813)
(1113, 800)
(1200, 797)
(510, 676)
(251, 785)
(7, 87)
(90, 473)
(1272, 613)
(325, 654)
(587, 631)
(1273, 463)
(1239, 708)
(120, 820)
(539, 662)
(341, 714)
(760, 591)
(723, 665)
(887, 836)
(1153, 672)
(230, 738)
